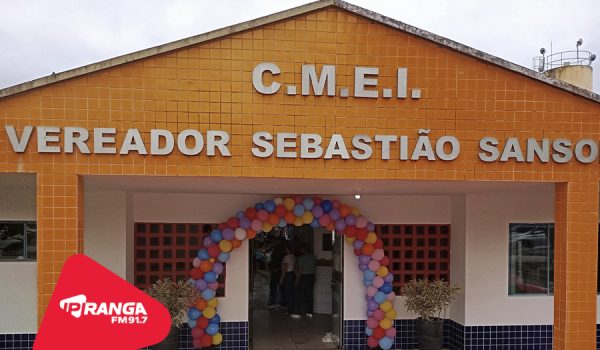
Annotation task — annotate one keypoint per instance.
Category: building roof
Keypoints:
(279, 16)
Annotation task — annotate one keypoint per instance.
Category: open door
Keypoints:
(337, 288)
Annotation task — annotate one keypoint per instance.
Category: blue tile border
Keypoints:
(22, 341)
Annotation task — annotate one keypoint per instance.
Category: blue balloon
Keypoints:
(201, 284)
(368, 275)
(308, 203)
(210, 277)
(326, 205)
(259, 206)
(315, 223)
(367, 283)
(216, 236)
(194, 313)
(203, 254)
(240, 214)
(282, 223)
(208, 294)
(298, 209)
(216, 319)
(223, 257)
(192, 324)
(270, 206)
(212, 329)
(386, 343)
(380, 298)
(386, 288)
(368, 331)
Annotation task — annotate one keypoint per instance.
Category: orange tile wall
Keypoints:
(208, 86)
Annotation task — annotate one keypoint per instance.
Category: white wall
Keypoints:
(458, 257)
(488, 218)
(18, 293)
(387, 210)
(105, 229)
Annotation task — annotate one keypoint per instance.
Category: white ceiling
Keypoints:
(304, 186)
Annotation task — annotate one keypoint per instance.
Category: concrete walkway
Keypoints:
(273, 329)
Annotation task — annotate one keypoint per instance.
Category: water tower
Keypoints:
(573, 67)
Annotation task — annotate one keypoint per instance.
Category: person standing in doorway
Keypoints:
(305, 281)
(275, 292)
(287, 281)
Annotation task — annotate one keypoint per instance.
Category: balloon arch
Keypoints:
(331, 214)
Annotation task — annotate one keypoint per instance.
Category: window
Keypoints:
(18, 240)
(416, 252)
(167, 250)
(531, 259)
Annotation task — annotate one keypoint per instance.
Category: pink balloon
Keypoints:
(371, 291)
(378, 254)
(262, 215)
(256, 225)
(196, 262)
(324, 220)
(336, 203)
(372, 323)
(372, 342)
(378, 314)
(378, 282)
(391, 332)
(391, 296)
(361, 222)
(214, 285)
(374, 265)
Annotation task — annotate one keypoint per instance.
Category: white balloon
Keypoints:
(240, 234)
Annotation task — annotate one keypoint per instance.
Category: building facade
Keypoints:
(327, 100)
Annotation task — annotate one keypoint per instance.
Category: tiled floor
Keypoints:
(273, 329)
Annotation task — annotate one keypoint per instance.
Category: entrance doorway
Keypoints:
(279, 320)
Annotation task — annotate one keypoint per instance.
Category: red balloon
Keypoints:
(250, 213)
(222, 226)
(372, 342)
(273, 219)
(214, 251)
(367, 249)
(350, 231)
(362, 233)
(357, 252)
(196, 273)
(202, 322)
(280, 210)
(289, 217)
(378, 332)
(206, 340)
(335, 203)
(197, 342)
(330, 227)
(385, 261)
(317, 200)
(262, 215)
(378, 243)
(298, 199)
(233, 223)
(197, 332)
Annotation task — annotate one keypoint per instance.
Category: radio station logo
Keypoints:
(122, 313)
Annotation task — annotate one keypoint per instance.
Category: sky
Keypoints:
(44, 36)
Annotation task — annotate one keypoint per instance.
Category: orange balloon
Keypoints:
(205, 266)
(201, 304)
(236, 243)
(345, 210)
(368, 249)
(330, 226)
(273, 219)
(250, 233)
(289, 217)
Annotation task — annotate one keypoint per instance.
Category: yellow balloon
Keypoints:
(212, 260)
(298, 221)
(386, 306)
(225, 246)
(217, 338)
(356, 211)
(214, 302)
(209, 312)
(390, 314)
(386, 323)
(371, 238)
(289, 203)
(383, 271)
(349, 239)
(307, 217)
(267, 227)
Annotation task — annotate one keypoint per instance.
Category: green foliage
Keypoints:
(429, 299)
(176, 297)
